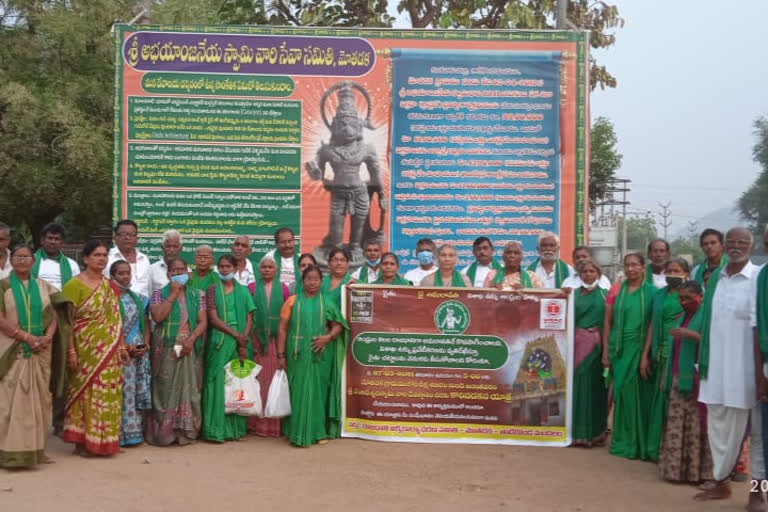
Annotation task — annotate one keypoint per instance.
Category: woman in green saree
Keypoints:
(179, 312)
(96, 357)
(626, 322)
(446, 274)
(590, 398)
(203, 276)
(230, 305)
(388, 269)
(310, 324)
(27, 327)
(665, 309)
(512, 276)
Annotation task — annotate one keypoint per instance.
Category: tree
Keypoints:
(687, 246)
(599, 18)
(753, 204)
(56, 80)
(604, 159)
(640, 231)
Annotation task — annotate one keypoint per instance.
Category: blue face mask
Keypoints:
(425, 257)
(180, 279)
(373, 263)
(228, 277)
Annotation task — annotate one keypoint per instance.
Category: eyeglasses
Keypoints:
(23, 258)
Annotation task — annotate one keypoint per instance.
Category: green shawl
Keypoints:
(267, 318)
(203, 283)
(706, 322)
(364, 274)
(242, 298)
(589, 308)
(29, 308)
(686, 358)
(472, 270)
(647, 292)
(171, 324)
(64, 268)
(333, 293)
(561, 270)
(279, 264)
(139, 308)
(699, 275)
(525, 279)
(457, 280)
(762, 310)
(664, 310)
(309, 318)
(396, 281)
(60, 307)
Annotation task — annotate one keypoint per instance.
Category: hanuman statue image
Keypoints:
(346, 152)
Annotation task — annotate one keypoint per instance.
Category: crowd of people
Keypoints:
(126, 351)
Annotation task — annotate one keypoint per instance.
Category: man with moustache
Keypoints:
(158, 271)
(241, 249)
(727, 368)
(581, 254)
(711, 243)
(549, 268)
(658, 253)
(126, 239)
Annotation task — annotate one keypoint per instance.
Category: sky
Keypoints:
(692, 78)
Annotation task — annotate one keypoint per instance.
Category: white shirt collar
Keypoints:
(746, 271)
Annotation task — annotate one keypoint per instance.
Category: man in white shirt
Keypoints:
(549, 268)
(241, 249)
(581, 254)
(126, 238)
(5, 253)
(158, 271)
(369, 272)
(51, 265)
(482, 249)
(658, 253)
(425, 253)
(727, 367)
(285, 257)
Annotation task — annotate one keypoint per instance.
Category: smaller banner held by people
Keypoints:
(452, 365)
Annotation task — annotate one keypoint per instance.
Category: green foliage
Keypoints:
(605, 160)
(687, 247)
(753, 204)
(640, 231)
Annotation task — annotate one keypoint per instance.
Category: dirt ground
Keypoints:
(268, 474)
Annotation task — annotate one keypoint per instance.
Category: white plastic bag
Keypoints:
(242, 393)
(279, 397)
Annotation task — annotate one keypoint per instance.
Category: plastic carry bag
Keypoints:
(279, 397)
(242, 393)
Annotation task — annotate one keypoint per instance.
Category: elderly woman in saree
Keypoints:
(136, 379)
(179, 312)
(310, 324)
(590, 398)
(268, 297)
(230, 306)
(95, 357)
(388, 271)
(513, 276)
(446, 274)
(27, 327)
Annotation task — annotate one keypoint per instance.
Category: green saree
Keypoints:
(233, 309)
(340, 345)
(315, 410)
(632, 395)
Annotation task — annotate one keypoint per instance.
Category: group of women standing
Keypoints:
(644, 340)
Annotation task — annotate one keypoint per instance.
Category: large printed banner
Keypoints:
(348, 135)
(444, 365)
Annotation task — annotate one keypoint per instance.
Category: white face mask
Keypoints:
(590, 286)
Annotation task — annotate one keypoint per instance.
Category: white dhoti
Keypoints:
(726, 428)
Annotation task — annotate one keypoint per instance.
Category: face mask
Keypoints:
(123, 287)
(674, 281)
(425, 257)
(180, 279)
(692, 306)
(373, 263)
(228, 277)
(590, 286)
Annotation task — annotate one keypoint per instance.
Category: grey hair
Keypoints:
(172, 234)
(514, 243)
(446, 246)
(545, 235)
(4, 227)
(746, 230)
(203, 247)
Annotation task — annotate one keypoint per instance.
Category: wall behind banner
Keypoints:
(461, 134)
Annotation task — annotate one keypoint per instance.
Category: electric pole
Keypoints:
(693, 228)
(664, 214)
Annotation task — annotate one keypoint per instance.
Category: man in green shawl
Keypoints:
(482, 249)
(369, 272)
(711, 243)
(51, 265)
(286, 257)
(727, 367)
(550, 269)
